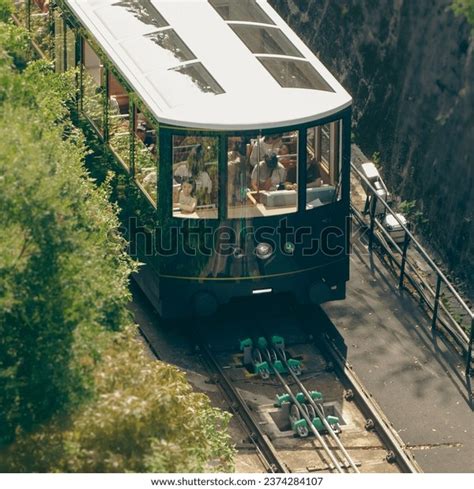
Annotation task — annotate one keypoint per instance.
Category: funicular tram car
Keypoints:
(235, 134)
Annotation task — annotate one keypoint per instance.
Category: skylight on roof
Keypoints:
(144, 11)
(169, 41)
(200, 77)
(265, 40)
(241, 10)
(292, 73)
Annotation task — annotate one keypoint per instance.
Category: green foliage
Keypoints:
(6, 10)
(464, 7)
(78, 393)
(409, 208)
(376, 159)
(14, 45)
(145, 419)
(63, 266)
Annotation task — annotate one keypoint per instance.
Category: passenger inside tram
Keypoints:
(269, 174)
(234, 170)
(195, 159)
(313, 173)
(187, 201)
(289, 162)
(263, 145)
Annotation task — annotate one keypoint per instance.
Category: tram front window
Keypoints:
(195, 177)
(323, 165)
(262, 175)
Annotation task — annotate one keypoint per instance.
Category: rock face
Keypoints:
(409, 67)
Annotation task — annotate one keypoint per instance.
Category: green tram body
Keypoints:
(311, 262)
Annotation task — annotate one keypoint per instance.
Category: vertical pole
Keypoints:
(133, 114)
(222, 172)
(373, 205)
(28, 15)
(259, 136)
(64, 29)
(105, 102)
(302, 168)
(469, 368)
(80, 60)
(77, 58)
(404, 260)
(436, 303)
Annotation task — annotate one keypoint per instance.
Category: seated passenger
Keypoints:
(313, 174)
(262, 146)
(150, 181)
(114, 105)
(289, 162)
(195, 168)
(187, 203)
(269, 174)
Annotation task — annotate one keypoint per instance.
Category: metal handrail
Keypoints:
(414, 240)
(464, 338)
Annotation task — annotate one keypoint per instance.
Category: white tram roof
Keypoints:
(217, 64)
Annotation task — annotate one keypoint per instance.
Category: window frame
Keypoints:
(221, 193)
(166, 154)
(103, 86)
(137, 104)
(264, 20)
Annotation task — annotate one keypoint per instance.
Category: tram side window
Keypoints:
(70, 48)
(195, 177)
(40, 24)
(119, 120)
(146, 155)
(323, 165)
(59, 42)
(64, 44)
(92, 98)
(262, 175)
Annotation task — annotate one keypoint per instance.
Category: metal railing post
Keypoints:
(406, 243)
(469, 369)
(436, 303)
(373, 205)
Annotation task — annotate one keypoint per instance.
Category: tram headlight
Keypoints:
(289, 248)
(264, 251)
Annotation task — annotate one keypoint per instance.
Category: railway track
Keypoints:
(315, 409)
(338, 457)
(265, 449)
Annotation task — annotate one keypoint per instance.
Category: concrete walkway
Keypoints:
(416, 379)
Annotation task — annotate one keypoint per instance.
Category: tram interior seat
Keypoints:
(315, 197)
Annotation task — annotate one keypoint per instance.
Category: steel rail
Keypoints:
(318, 410)
(258, 438)
(309, 421)
(239, 406)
